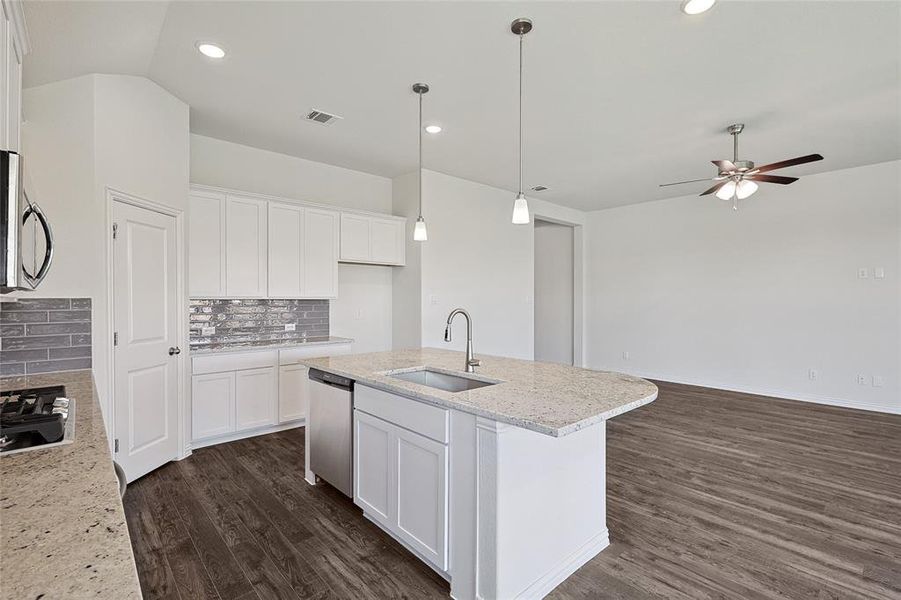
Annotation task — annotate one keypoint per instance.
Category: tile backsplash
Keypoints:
(244, 321)
(43, 335)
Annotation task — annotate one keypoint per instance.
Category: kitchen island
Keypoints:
(496, 479)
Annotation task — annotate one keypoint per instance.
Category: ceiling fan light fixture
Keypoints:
(727, 191)
(745, 189)
(696, 7)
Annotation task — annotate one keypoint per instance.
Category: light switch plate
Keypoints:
(290, 326)
(879, 272)
(878, 381)
(207, 331)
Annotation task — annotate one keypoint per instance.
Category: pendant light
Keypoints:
(520, 27)
(420, 234)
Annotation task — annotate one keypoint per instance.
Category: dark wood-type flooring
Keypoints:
(711, 494)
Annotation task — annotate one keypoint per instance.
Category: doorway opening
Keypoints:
(554, 292)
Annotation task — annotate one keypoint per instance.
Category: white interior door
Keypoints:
(146, 323)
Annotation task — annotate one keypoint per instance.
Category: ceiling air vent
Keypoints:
(323, 118)
(539, 188)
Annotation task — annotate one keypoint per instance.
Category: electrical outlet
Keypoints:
(878, 381)
(358, 314)
(626, 355)
(812, 374)
(433, 299)
(207, 331)
(863, 273)
(861, 379)
(290, 326)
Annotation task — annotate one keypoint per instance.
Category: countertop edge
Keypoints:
(333, 341)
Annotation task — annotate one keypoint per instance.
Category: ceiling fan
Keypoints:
(737, 179)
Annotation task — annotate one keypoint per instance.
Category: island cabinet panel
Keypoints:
(255, 398)
(212, 405)
(245, 247)
(401, 475)
(293, 396)
(206, 250)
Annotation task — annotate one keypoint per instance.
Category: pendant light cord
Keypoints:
(420, 155)
(520, 113)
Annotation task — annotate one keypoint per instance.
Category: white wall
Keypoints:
(363, 310)
(554, 303)
(81, 136)
(407, 280)
(751, 300)
(475, 258)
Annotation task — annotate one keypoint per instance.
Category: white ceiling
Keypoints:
(620, 96)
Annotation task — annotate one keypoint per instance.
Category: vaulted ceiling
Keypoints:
(619, 96)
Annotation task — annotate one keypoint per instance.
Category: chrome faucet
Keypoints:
(471, 362)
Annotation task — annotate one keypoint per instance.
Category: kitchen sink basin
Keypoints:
(441, 381)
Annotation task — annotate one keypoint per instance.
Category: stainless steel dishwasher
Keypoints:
(331, 429)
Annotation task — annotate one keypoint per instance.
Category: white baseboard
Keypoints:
(569, 565)
(240, 435)
(769, 392)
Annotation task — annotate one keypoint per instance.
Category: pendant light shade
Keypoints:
(520, 27)
(520, 210)
(420, 233)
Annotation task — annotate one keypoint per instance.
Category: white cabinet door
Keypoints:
(355, 235)
(206, 244)
(421, 504)
(374, 450)
(286, 264)
(320, 252)
(386, 241)
(12, 88)
(255, 398)
(212, 405)
(245, 247)
(293, 397)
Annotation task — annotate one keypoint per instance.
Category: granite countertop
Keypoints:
(548, 398)
(63, 531)
(222, 347)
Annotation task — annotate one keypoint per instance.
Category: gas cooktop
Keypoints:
(35, 418)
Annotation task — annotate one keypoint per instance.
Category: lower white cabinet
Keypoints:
(256, 399)
(293, 398)
(212, 405)
(401, 483)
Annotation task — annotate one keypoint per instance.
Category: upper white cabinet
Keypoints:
(245, 247)
(206, 251)
(13, 47)
(248, 246)
(372, 239)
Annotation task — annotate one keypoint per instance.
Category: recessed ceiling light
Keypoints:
(696, 7)
(211, 50)
(433, 128)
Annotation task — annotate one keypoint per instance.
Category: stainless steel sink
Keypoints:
(441, 381)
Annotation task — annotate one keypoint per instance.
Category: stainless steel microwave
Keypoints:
(17, 216)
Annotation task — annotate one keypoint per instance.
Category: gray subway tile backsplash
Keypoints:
(245, 321)
(43, 335)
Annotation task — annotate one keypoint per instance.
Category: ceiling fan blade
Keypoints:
(772, 179)
(714, 188)
(688, 181)
(788, 163)
(725, 165)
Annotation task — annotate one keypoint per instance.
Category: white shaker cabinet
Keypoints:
(256, 398)
(286, 250)
(320, 253)
(372, 239)
(400, 474)
(212, 405)
(13, 48)
(206, 251)
(245, 247)
(293, 397)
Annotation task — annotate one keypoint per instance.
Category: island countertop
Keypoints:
(63, 531)
(549, 398)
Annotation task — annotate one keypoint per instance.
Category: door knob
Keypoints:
(174, 350)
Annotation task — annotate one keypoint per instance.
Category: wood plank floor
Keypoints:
(711, 494)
